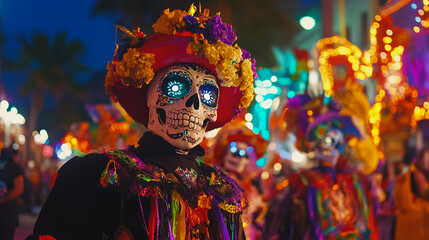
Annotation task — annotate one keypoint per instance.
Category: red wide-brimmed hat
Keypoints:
(182, 37)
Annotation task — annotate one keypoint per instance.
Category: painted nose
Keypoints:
(193, 100)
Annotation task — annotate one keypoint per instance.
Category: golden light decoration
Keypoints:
(375, 116)
(385, 50)
(120, 127)
(384, 45)
(416, 29)
(394, 113)
(75, 143)
(395, 100)
(420, 113)
(422, 17)
(333, 50)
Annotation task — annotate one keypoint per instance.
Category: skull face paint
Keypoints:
(182, 100)
(237, 157)
(328, 150)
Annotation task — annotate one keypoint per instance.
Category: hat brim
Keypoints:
(347, 126)
(170, 50)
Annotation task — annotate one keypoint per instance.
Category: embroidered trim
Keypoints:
(230, 207)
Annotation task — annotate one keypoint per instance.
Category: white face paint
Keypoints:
(182, 100)
(328, 151)
(237, 157)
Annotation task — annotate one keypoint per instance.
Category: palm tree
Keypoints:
(51, 67)
(2, 89)
(259, 24)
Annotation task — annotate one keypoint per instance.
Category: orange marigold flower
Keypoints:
(135, 68)
(169, 22)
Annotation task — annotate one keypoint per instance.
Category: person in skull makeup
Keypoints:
(235, 150)
(332, 200)
(182, 81)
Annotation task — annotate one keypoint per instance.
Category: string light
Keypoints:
(375, 117)
(423, 14)
(420, 113)
(336, 47)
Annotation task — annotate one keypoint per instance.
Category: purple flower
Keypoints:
(216, 30)
(191, 24)
(255, 74)
(246, 55)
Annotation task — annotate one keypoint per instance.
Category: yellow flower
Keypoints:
(246, 74)
(133, 70)
(224, 57)
(169, 22)
(246, 83)
(247, 98)
(110, 76)
(230, 67)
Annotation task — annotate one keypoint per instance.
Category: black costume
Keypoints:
(80, 208)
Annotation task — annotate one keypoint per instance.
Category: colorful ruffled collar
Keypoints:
(142, 165)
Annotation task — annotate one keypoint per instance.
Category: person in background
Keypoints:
(331, 201)
(384, 186)
(235, 150)
(419, 182)
(411, 197)
(11, 187)
(24, 200)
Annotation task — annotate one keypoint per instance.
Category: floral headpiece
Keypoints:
(235, 132)
(210, 38)
(320, 130)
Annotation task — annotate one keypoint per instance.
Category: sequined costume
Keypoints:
(321, 203)
(148, 192)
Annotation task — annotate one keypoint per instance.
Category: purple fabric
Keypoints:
(312, 204)
(171, 234)
(310, 198)
(157, 217)
(141, 209)
(232, 191)
(224, 235)
(299, 101)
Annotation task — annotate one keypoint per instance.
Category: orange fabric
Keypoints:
(413, 213)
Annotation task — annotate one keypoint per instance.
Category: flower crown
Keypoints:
(210, 38)
(319, 132)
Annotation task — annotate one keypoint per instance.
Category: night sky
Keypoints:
(25, 17)
(51, 17)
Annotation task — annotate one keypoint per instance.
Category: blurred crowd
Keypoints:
(323, 189)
